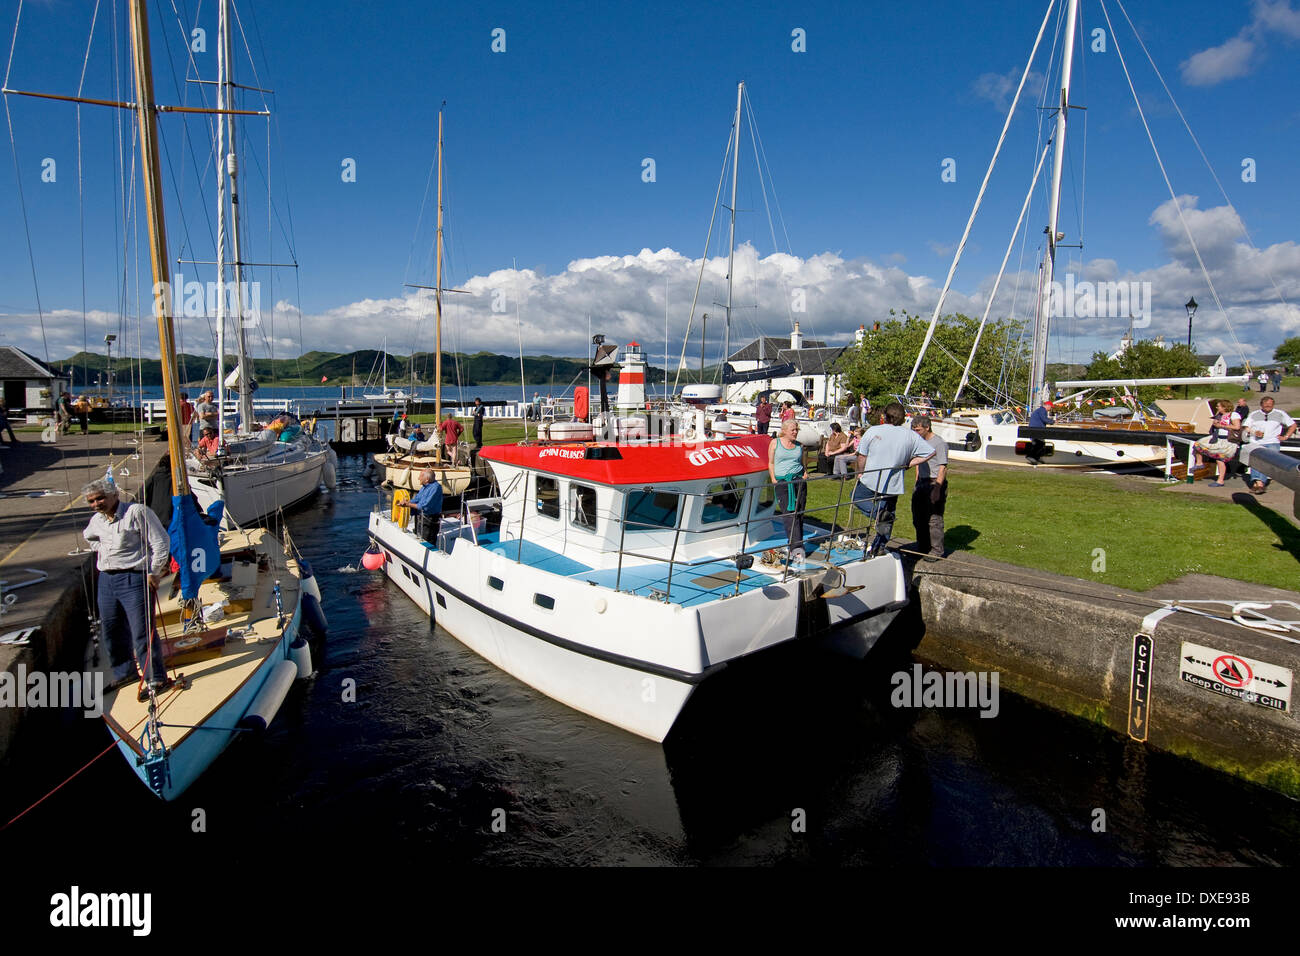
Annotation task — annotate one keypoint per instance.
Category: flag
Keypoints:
(323, 378)
(195, 541)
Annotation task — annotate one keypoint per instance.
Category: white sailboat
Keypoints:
(1082, 435)
(259, 471)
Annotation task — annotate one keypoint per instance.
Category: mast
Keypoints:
(162, 300)
(1038, 360)
(731, 256)
(437, 343)
(221, 226)
(232, 169)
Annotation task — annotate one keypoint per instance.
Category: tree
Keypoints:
(879, 367)
(1288, 351)
(1147, 359)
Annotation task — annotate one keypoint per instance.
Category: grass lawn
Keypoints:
(94, 428)
(1059, 521)
(1140, 533)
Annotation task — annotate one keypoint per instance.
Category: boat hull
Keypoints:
(189, 758)
(620, 657)
(256, 491)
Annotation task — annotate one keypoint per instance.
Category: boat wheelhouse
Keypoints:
(615, 578)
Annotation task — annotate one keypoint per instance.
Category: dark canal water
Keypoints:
(439, 743)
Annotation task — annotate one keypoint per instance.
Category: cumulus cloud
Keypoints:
(1237, 56)
(626, 297)
(998, 88)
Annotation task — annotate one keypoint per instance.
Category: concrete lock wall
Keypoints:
(1069, 644)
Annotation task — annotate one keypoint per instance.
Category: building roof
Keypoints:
(1209, 359)
(15, 363)
(812, 361)
(771, 347)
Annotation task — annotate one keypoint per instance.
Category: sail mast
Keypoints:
(232, 169)
(1038, 360)
(437, 344)
(221, 225)
(731, 258)
(162, 300)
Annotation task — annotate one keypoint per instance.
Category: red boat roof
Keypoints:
(608, 463)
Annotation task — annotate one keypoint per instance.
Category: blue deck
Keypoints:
(644, 578)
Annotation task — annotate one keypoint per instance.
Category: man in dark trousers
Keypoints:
(479, 409)
(931, 492)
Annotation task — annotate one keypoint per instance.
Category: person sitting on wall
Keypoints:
(835, 445)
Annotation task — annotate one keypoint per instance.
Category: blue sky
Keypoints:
(545, 150)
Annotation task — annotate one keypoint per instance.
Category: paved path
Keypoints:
(42, 513)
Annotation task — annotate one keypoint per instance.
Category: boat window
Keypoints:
(582, 503)
(1004, 418)
(548, 496)
(723, 501)
(765, 497)
(496, 584)
(544, 601)
(648, 510)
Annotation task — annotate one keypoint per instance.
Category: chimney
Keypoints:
(796, 338)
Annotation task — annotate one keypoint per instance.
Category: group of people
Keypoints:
(67, 408)
(764, 410)
(1232, 427)
(1265, 378)
(879, 455)
(450, 429)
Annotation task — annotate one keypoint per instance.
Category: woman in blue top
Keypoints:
(786, 469)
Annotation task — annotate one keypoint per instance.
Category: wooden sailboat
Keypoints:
(229, 617)
(405, 460)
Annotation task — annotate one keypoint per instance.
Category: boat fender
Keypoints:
(300, 654)
(329, 472)
(313, 616)
(268, 700)
(373, 560)
(309, 585)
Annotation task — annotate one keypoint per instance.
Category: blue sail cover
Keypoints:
(195, 542)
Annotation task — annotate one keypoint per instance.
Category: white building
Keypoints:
(1214, 364)
(797, 366)
(30, 388)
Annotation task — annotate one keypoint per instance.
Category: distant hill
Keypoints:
(480, 368)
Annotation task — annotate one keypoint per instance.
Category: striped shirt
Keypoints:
(132, 540)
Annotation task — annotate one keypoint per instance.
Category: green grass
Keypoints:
(95, 429)
(1057, 521)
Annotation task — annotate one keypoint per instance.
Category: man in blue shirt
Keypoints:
(886, 450)
(427, 504)
(1041, 416)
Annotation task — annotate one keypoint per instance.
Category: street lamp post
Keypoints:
(108, 340)
(1191, 311)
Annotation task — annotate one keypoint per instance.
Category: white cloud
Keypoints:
(625, 297)
(1237, 56)
(1226, 61)
(998, 88)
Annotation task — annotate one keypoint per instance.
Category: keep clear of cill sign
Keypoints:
(1255, 682)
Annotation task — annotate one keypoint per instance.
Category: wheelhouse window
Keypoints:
(650, 510)
(548, 496)
(582, 505)
(724, 500)
(765, 498)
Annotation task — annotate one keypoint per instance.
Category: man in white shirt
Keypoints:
(884, 453)
(1265, 427)
(129, 543)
